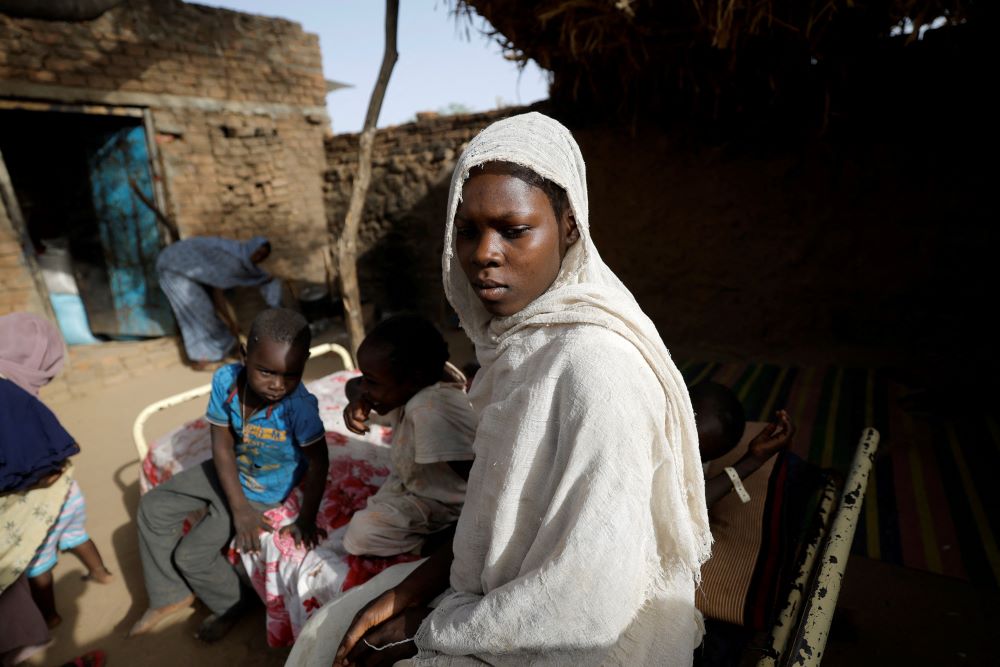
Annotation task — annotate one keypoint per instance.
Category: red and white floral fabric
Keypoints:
(291, 581)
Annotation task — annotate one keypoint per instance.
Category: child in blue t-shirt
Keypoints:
(266, 435)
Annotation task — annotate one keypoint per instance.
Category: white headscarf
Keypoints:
(585, 291)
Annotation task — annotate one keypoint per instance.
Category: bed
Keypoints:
(291, 581)
(786, 625)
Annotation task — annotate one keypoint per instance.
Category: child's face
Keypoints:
(711, 438)
(275, 369)
(379, 387)
(508, 240)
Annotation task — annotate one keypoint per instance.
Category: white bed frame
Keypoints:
(138, 436)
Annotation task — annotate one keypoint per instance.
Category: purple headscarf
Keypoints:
(31, 351)
(33, 443)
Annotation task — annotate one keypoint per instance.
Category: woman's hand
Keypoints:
(376, 612)
(248, 523)
(375, 647)
(416, 591)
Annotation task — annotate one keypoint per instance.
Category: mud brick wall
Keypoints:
(402, 229)
(236, 100)
(239, 176)
(17, 290)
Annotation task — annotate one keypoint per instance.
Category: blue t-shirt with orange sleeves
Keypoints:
(268, 447)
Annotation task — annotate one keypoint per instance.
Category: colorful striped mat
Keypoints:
(927, 504)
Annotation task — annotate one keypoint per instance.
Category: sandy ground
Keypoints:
(96, 616)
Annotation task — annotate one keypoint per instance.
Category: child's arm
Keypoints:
(247, 521)
(776, 437)
(304, 531)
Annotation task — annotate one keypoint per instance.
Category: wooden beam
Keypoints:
(77, 95)
(347, 245)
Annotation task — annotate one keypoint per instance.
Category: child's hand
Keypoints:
(356, 414)
(48, 480)
(776, 437)
(51, 478)
(305, 533)
(248, 523)
(352, 389)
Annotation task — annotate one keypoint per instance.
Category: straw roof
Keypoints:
(617, 51)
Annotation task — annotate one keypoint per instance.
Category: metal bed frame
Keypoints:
(138, 436)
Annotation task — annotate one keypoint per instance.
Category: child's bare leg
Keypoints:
(91, 559)
(44, 595)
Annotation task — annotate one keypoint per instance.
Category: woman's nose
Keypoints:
(488, 249)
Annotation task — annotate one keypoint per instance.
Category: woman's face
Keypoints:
(508, 239)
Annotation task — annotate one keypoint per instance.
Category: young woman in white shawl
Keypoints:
(584, 526)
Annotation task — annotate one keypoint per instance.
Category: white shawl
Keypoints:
(585, 524)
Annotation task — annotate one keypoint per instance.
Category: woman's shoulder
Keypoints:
(595, 361)
(587, 347)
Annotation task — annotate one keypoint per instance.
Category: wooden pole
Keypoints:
(346, 248)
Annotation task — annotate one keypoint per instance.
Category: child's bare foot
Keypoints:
(154, 616)
(99, 576)
(53, 621)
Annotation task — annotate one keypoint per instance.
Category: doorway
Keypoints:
(85, 187)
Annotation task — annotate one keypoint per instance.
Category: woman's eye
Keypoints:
(514, 232)
(465, 232)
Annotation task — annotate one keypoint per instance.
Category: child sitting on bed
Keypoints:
(720, 421)
(266, 436)
(405, 375)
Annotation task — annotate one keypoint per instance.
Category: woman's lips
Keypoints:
(489, 290)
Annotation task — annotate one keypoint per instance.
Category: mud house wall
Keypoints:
(17, 290)
(403, 222)
(863, 251)
(237, 102)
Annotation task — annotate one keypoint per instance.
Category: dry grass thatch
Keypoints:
(605, 47)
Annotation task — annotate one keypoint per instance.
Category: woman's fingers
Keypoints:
(374, 613)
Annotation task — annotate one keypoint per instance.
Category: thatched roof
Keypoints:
(710, 53)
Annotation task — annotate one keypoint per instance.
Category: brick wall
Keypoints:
(401, 231)
(17, 290)
(237, 102)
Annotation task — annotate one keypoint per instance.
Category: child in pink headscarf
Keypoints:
(35, 449)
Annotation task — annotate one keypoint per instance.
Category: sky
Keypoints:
(442, 61)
